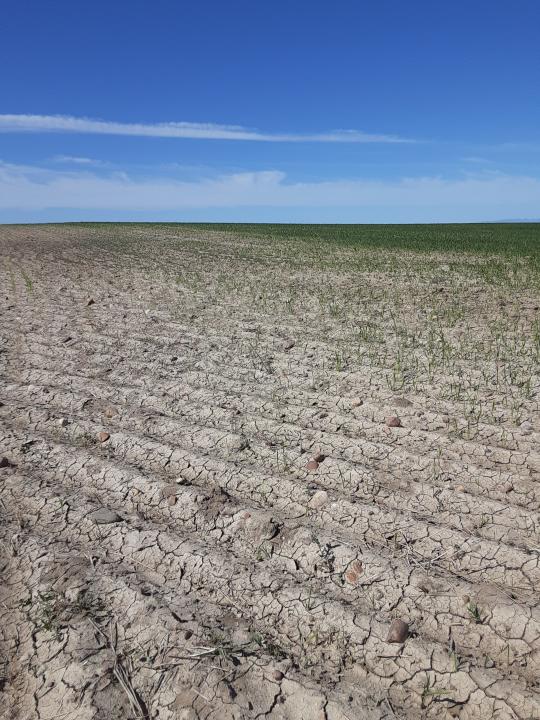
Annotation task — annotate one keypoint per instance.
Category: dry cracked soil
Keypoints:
(250, 478)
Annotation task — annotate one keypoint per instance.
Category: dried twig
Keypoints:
(120, 672)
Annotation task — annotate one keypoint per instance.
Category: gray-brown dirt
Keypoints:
(243, 479)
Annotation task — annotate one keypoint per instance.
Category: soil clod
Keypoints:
(398, 632)
(104, 516)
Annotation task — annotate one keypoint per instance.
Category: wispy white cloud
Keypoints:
(485, 196)
(197, 131)
(74, 160)
(477, 160)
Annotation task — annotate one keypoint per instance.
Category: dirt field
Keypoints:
(231, 465)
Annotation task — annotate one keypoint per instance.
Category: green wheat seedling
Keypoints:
(474, 613)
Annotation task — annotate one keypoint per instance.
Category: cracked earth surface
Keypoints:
(228, 465)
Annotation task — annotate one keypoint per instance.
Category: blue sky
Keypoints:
(281, 111)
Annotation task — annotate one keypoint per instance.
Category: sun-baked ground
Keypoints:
(253, 478)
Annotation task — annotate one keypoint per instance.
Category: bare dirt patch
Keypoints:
(244, 478)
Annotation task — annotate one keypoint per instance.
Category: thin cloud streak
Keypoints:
(186, 130)
(75, 160)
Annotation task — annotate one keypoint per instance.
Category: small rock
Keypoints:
(357, 403)
(319, 499)
(104, 516)
(393, 421)
(4, 462)
(90, 301)
(268, 530)
(288, 345)
(171, 500)
(277, 675)
(110, 412)
(319, 457)
(399, 631)
(103, 436)
(526, 428)
(354, 571)
(465, 599)
(168, 491)
(460, 488)
(312, 465)
(63, 422)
